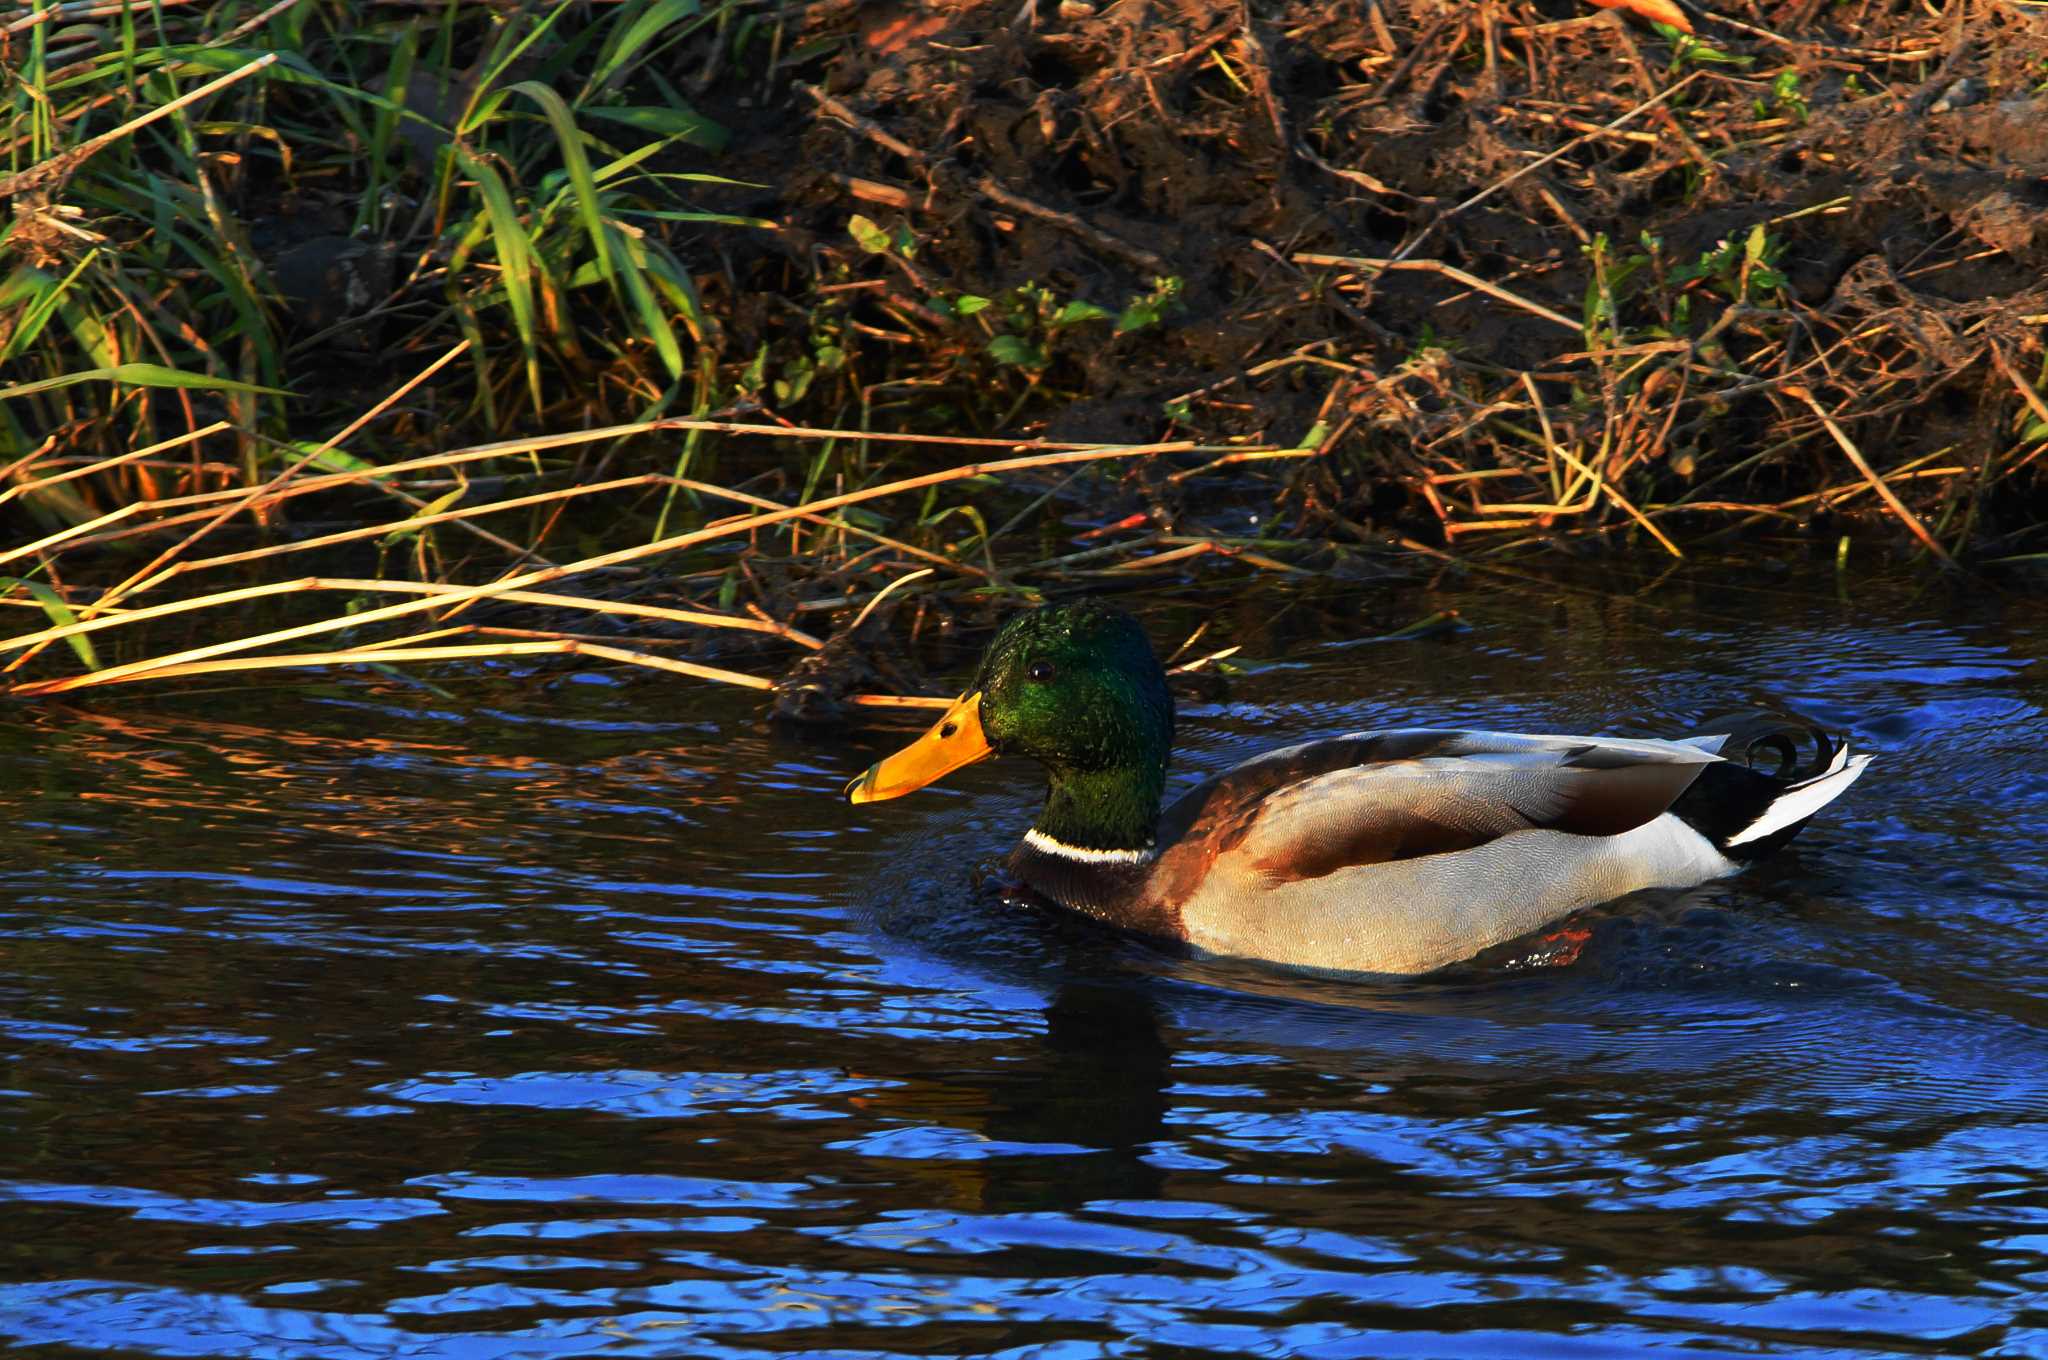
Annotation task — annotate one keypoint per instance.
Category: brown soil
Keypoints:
(1896, 163)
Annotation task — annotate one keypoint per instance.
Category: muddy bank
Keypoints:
(1526, 274)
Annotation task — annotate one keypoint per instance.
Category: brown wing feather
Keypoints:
(1370, 798)
(1222, 798)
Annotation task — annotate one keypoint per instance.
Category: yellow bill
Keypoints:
(956, 739)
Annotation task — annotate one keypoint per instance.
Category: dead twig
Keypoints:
(1473, 281)
(1877, 483)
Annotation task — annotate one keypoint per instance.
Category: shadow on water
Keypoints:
(581, 1017)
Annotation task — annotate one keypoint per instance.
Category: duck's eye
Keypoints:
(1040, 672)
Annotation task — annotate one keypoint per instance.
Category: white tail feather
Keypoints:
(1802, 800)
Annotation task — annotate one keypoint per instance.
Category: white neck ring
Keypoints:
(1039, 841)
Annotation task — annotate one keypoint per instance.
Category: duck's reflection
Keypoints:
(1097, 1080)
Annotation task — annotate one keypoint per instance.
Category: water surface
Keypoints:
(574, 1015)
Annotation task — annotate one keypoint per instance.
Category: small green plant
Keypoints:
(876, 240)
(1740, 272)
(1607, 290)
(1427, 340)
(1745, 273)
(1785, 97)
(1026, 322)
(1151, 309)
(1688, 51)
(824, 354)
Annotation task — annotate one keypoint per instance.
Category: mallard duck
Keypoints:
(1397, 851)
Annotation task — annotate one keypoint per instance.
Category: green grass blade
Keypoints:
(653, 319)
(726, 219)
(658, 19)
(680, 122)
(60, 616)
(141, 375)
(384, 128)
(588, 207)
(516, 260)
(409, 530)
(483, 106)
(672, 278)
(43, 295)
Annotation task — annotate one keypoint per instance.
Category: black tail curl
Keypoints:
(1764, 757)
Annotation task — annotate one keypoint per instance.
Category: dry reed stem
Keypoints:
(145, 577)
(1608, 489)
(1452, 272)
(306, 584)
(1833, 495)
(407, 524)
(85, 531)
(306, 486)
(64, 13)
(252, 23)
(1877, 483)
(29, 459)
(1250, 456)
(64, 162)
(2025, 388)
(462, 652)
(421, 639)
(674, 543)
(108, 464)
(1164, 559)
(884, 593)
(762, 502)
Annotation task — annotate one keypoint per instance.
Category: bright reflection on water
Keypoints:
(579, 1017)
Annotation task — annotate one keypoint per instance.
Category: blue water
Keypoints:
(576, 1016)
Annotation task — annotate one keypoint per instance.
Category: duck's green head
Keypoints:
(1078, 689)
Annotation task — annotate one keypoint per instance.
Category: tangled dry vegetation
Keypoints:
(1531, 279)
(956, 302)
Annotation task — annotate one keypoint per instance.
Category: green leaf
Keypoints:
(647, 305)
(588, 207)
(872, 238)
(860, 517)
(968, 304)
(1077, 311)
(655, 21)
(682, 124)
(432, 507)
(1016, 351)
(45, 294)
(141, 375)
(1137, 316)
(672, 279)
(60, 616)
(723, 219)
(791, 389)
(515, 258)
(334, 460)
